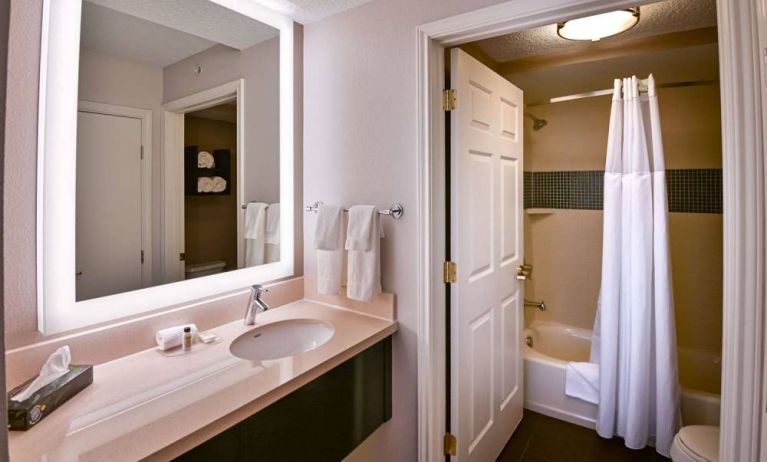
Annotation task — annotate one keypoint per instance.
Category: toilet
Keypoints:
(204, 269)
(696, 443)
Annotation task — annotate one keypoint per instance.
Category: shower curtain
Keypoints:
(634, 333)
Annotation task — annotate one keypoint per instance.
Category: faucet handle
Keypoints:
(258, 289)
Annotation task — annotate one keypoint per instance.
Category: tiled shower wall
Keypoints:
(689, 190)
(564, 165)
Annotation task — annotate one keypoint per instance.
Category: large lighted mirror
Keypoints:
(166, 155)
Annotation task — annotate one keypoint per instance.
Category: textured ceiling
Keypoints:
(655, 19)
(307, 11)
(117, 34)
(200, 18)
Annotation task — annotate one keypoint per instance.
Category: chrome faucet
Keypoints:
(255, 304)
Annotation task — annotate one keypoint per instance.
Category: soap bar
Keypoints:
(23, 415)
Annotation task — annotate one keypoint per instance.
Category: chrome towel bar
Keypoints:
(395, 211)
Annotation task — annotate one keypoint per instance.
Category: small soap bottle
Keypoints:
(187, 340)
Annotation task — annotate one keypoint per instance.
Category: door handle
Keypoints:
(79, 273)
(524, 271)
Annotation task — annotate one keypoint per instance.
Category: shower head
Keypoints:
(537, 123)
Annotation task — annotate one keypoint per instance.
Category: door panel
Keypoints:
(108, 205)
(486, 243)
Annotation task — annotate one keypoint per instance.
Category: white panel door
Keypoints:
(108, 205)
(486, 243)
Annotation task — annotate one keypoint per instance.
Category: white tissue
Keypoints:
(173, 336)
(55, 366)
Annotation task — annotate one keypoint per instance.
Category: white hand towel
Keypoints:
(328, 227)
(582, 381)
(55, 366)
(172, 337)
(329, 241)
(364, 267)
(272, 238)
(255, 233)
(361, 221)
(273, 224)
(205, 160)
(219, 184)
(204, 184)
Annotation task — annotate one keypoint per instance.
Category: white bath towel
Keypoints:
(328, 227)
(255, 233)
(582, 381)
(272, 236)
(205, 184)
(362, 219)
(364, 253)
(205, 160)
(219, 184)
(330, 257)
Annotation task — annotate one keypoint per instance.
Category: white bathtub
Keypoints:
(554, 345)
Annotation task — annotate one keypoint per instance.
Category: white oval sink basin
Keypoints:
(282, 338)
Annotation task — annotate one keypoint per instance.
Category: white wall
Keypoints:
(259, 67)
(360, 148)
(112, 80)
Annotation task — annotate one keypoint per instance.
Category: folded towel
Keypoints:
(172, 336)
(360, 231)
(273, 224)
(205, 160)
(255, 233)
(205, 184)
(330, 265)
(582, 381)
(219, 184)
(328, 227)
(364, 267)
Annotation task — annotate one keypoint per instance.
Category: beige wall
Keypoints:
(565, 247)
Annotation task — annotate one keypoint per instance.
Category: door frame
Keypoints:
(145, 116)
(173, 176)
(744, 206)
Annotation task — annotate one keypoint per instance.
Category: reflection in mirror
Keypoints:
(137, 61)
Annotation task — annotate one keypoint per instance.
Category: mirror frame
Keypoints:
(57, 308)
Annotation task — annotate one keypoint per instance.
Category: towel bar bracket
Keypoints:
(395, 211)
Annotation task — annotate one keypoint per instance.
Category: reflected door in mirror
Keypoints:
(109, 247)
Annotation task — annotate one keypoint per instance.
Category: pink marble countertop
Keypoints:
(151, 405)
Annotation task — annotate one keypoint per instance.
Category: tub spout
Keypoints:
(540, 305)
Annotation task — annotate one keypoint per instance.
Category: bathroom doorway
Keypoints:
(513, 18)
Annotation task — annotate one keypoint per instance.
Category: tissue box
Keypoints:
(23, 415)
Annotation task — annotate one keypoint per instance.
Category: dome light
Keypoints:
(599, 26)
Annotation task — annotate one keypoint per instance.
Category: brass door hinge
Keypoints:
(450, 272)
(182, 256)
(449, 99)
(451, 444)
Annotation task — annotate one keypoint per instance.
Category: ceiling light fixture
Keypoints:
(599, 26)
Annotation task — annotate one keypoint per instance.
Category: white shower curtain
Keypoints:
(634, 333)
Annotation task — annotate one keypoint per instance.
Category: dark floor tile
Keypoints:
(556, 440)
(517, 444)
(532, 458)
(543, 439)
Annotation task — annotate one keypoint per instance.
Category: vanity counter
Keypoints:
(153, 405)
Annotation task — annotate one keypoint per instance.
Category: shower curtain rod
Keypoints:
(590, 94)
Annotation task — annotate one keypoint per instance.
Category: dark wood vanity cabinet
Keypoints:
(322, 421)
